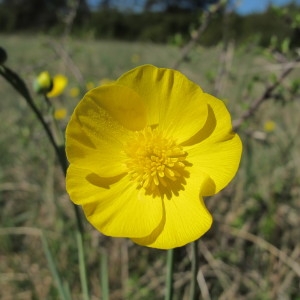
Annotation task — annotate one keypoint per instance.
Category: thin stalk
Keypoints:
(194, 271)
(104, 275)
(20, 86)
(169, 274)
(60, 287)
(82, 267)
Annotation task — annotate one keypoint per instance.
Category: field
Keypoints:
(251, 252)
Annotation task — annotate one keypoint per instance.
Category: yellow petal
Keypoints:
(216, 151)
(113, 205)
(59, 84)
(80, 188)
(185, 220)
(122, 103)
(173, 102)
(94, 140)
(220, 161)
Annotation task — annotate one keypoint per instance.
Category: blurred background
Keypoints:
(244, 52)
(158, 21)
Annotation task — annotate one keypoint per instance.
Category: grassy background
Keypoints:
(252, 250)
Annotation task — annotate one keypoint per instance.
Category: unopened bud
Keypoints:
(43, 83)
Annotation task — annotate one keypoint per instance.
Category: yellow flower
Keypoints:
(143, 152)
(90, 85)
(59, 84)
(60, 113)
(269, 126)
(74, 92)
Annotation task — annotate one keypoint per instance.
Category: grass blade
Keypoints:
(53, 269)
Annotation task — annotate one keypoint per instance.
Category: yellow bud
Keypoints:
(43, 83)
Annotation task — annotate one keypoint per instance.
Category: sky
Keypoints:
(242, 7)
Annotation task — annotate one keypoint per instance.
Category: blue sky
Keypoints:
(242, 6)
(250, 6)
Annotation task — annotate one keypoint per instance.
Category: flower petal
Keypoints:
(113, 205)
(59, 84)
(172, 101)
(185, 220)
(216, 151)
(122, 103)
(80, 187)
(95, 135)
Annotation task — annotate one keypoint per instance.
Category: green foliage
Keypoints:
(258, 212)
(158, 27)
(36, 15)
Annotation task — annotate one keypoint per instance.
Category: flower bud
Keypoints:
(43, 83)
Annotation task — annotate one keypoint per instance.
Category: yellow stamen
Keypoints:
(156, 163)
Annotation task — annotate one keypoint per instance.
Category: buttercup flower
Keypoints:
(60, 113)
(59, 84)
(143, 153)
(269, 126)
(74, 92)
(89, 85)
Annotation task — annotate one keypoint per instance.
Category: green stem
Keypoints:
(104, 275)
(20, 86)
(169, 274)
(194, 271)
(60, 287)
(82, 267)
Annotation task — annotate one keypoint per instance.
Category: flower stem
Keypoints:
(82, 266)
(59, 147)
(104, 275)
(169, 275)
(59, 283)
(194, 271)
(19, 85)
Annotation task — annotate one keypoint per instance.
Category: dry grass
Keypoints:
(252, 250)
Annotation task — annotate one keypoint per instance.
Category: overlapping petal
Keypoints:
(173, 102)
(113, 205)
(185, 219)
(97, 130)
(216, 151)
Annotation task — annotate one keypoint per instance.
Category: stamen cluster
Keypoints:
(155, 161)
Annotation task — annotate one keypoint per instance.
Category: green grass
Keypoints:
(262, 201)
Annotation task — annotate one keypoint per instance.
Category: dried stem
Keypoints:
(267, 94)
(292, 264)
(65, 56)
(196, 36)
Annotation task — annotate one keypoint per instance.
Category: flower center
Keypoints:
(156, 163)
